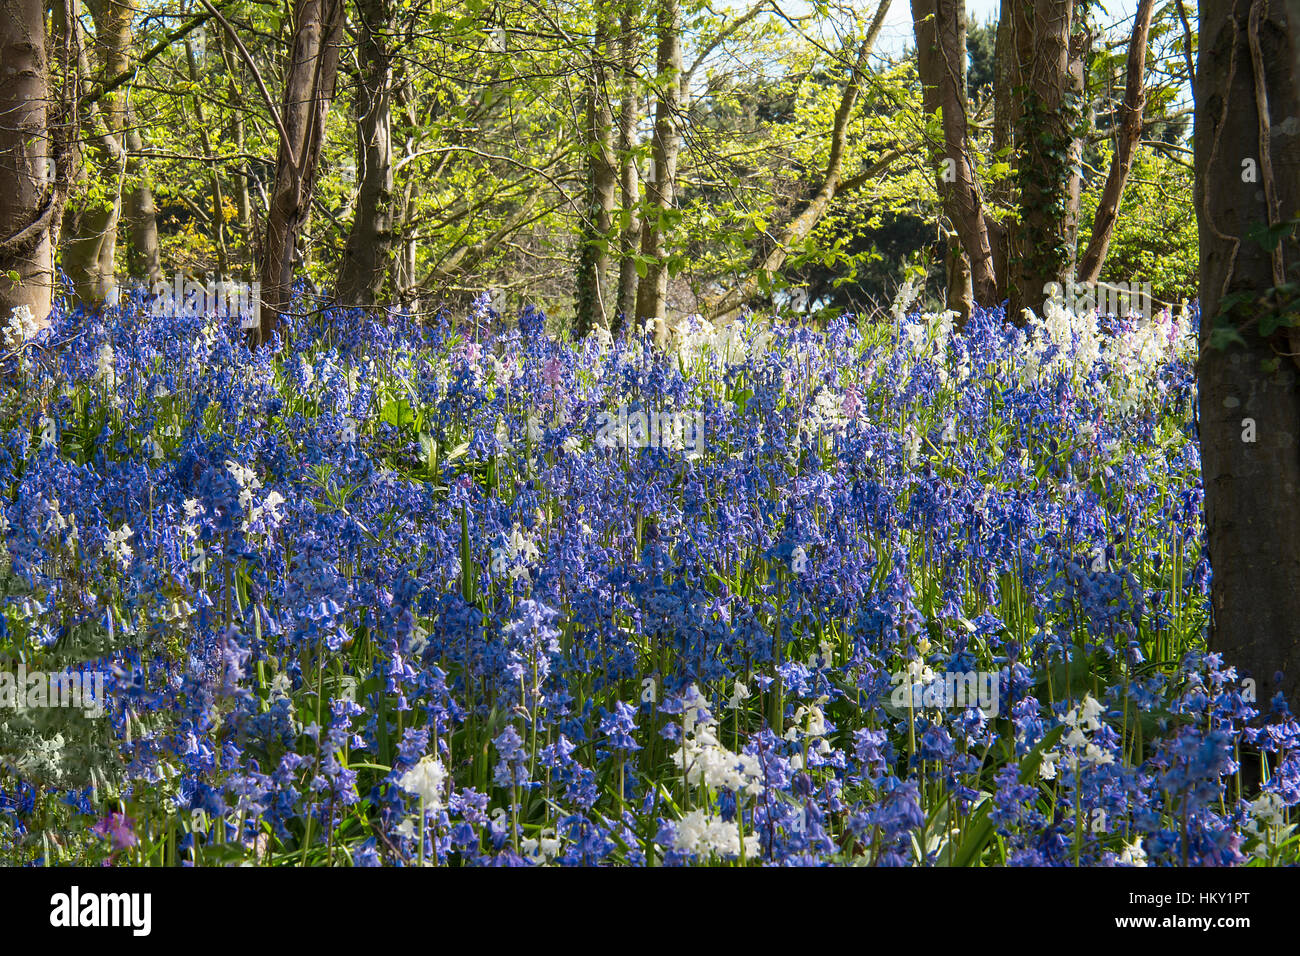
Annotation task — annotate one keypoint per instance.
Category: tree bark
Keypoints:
(28, 200)
(308, 92)
(1006, 77)
(661, 192)
(404, 240)
(141, 211)
(595, 297)
(1077, 91)
(1045, 129)
(89, 253)
(1005, 100)
(367, 253)
(1126, 141)
(629, 176)
(1248, 108)
(940, 27)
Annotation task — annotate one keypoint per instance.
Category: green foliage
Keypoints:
(1155, 238)
(491, 152)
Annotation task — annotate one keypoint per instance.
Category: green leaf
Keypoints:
(397, 413)
(979, 829)
(1222, 337)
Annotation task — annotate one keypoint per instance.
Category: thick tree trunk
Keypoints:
(1046, 122)
(940, 27)
(661, 192)
(366, 255)
(629, 177)
(1248, 108)
(595, 298)
(1126, 141)
(308, 92)
(28, 206)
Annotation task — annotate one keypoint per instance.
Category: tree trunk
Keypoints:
(661, 193)
(1006, 77)
(90, 248)
(1046, 121)
(1248, 108)
(1005, 101)
(366, 255)
(308, 91)
(629, 177)
(141, 211)
(1126, 141)
(595, 298)
(28, 202)
(940, 27)
(1077, 92)
(960, 293)
(404, 239)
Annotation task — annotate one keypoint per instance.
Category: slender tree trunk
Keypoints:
(404, 259)
(1248, 108)
(595, 297)
(1001, 192)
(1126, 141)
(629, 175)
(90, 248)
(1077, 92)
(960, 293)
(367, 253)
(141, 212)
(1004, 83)
(28, 199)
(661, 194)
(308, 92)
(243, 191)
(940, 27)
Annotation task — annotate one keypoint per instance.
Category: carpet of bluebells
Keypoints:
(386, 594)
